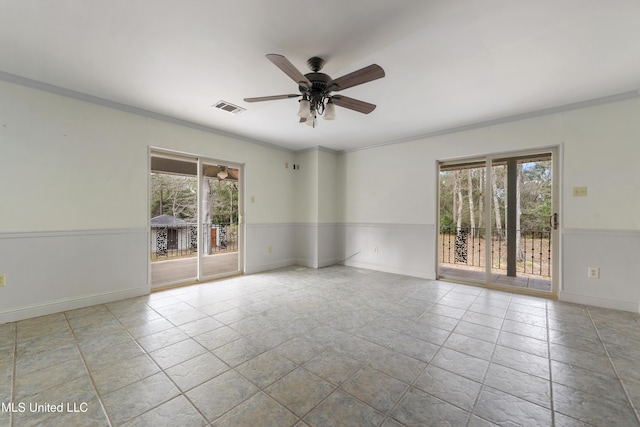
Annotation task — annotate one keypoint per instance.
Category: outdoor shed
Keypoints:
(171, 233)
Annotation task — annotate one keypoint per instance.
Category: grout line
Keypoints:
(207, 350)
(412, 385)
(15, 369)
(319, 285)
(148, 354)
(484, 378)
(624, 388)
(84, 363)
(553, 409)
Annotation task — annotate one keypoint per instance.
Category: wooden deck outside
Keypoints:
(185, 269)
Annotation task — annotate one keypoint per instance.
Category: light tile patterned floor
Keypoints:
(331, 347)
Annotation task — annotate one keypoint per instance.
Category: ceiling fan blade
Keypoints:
(233, 174)
(211, 171)
(363, 75)
(353, 104)
(289, 69)
(271, 98)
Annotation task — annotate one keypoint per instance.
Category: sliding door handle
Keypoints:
(553, 221)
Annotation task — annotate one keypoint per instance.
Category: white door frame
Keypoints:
(556, 260)
(199, 160)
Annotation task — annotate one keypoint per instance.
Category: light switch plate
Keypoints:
(579, 191)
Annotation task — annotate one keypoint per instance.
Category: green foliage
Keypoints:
(446, 219)
(535, 195)
(223, 201)
(176, 195)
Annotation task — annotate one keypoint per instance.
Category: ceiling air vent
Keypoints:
(228, 107)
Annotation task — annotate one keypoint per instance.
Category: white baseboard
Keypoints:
(615, 254)
(57, 306)
(385, 269)
(270, 266)
(306, 262)
(328, 262)
(599, 302)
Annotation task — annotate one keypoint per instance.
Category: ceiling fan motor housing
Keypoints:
(319, 83)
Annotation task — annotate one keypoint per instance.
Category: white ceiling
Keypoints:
(448, 63)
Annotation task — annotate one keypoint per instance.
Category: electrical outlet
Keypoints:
(3, 280)
(593, 273)
(375, 249)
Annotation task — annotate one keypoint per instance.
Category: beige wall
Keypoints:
(601, 150)
(74, 175)
(74, 199)
(396, 186)
(72, 165)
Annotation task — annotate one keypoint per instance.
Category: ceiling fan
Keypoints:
(316, 89)
(223, 173)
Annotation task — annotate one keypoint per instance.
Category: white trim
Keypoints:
(318, 148)
(558, 270)
(631, 306)
(384, 269)
(533, 114)
(384, 225)
(199, 160)
(70, 233)
(68, 93)
(199, 212)
(600, 232)
(306, 262)
(186, 156)
(272, 225)
(345, 224)
(487, 159)
(34, 84)
(57, 306)
(270, 266)
(149, 153)
(328, 262)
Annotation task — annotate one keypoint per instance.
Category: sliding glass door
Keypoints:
(498, 221)
(462, 245)
(173, 208)
(195, 207)
(523, 221)
(220, 219)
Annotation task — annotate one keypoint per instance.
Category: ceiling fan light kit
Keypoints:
(223, 174)
(303, 112)
(330, 110)
(316, 89)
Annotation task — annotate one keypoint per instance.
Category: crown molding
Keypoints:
(68, 93)
(532, 114)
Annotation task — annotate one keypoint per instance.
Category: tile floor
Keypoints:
(332, 347)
